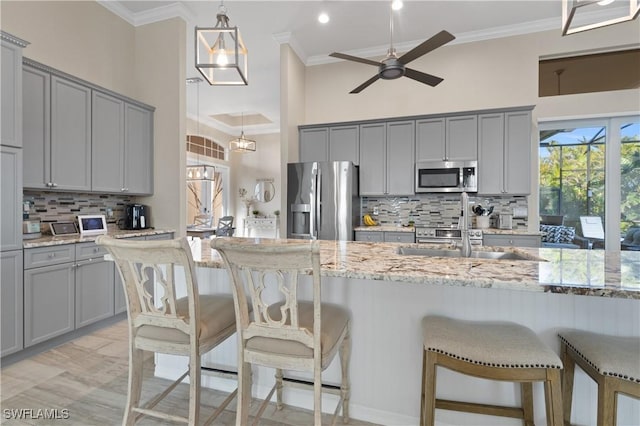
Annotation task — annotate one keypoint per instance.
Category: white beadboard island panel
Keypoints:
(386, 357)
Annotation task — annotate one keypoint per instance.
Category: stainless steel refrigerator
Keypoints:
(323, 201)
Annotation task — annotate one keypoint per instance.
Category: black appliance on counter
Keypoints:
(136, 216)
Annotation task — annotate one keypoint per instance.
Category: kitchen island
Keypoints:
(388, 294)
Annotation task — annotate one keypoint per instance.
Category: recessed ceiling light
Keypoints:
(396, 4)
(323, 18)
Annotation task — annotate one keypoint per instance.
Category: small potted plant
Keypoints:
(256, 213)
(276, 213)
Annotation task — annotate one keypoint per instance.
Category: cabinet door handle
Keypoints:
(54, 184)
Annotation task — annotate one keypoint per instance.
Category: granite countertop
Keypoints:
(566, 271)
(50, 240)
(386, 228)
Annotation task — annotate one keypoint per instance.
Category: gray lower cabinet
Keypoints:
(504, 157)
(512, 240)
(373, 236)
(387, 158)
(70, 135)
(386, 236)
(399, 237)
(11, 302)
(49, 297)
(11, 198)
(94, 284)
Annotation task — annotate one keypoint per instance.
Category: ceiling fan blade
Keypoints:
(355, 59)
(443, 37)
(422, 77)
(365, 84)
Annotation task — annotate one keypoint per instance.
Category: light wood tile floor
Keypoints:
(88, 377)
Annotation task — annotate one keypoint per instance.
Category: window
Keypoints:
(207, 197)
(592, 168)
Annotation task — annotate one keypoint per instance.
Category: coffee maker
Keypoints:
(136, 216)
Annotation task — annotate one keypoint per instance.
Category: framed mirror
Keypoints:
(265, 190)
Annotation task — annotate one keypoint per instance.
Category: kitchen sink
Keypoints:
(431, 252)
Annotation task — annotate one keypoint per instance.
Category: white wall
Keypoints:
(487, 74)
(246, 168)
(145, 63)
(292, 113)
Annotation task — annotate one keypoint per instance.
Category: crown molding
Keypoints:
(289, 38)
(5, 36)
(158, 14)
(540, 25)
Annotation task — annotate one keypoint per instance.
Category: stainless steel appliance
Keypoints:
(446, 176)
(136, 216)
(447, 236)
(323, 201)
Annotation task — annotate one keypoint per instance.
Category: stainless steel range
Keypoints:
(447, 236)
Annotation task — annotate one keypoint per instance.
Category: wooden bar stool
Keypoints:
(612, 361)
(491, 350)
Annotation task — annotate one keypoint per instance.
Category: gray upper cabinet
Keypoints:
(70, 135)
(338, 143)
(504, 153)
(462, 138)
(400, 157)
(387, 158)
(36, 92)
(11, 304)
(11, 195)
(517, 166)
(447, 138)
(107, 143)
(430, 139)
(344, 144)
(138, 150)
(79, 137)
(314, 144)
(373, 170)
(11, 93)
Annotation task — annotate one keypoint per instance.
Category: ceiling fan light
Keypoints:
(323, 18)
(397, 4)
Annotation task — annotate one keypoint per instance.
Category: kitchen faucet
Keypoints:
(465, 245)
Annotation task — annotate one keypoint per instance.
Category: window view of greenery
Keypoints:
(572, 174)
(630, 176)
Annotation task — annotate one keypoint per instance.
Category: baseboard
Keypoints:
(298, 398)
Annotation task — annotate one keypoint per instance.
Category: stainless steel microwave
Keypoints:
(446, 176)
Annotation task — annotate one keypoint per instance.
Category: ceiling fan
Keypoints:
(393, 67)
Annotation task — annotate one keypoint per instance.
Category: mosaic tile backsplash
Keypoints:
(436, 210)
(64, 207)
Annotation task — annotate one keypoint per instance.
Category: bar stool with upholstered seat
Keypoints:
(161, 322)
(491, 350)
(612, 361)
(284, 333)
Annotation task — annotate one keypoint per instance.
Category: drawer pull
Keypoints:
(51, 255)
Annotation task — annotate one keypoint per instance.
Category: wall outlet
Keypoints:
(520, 212)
